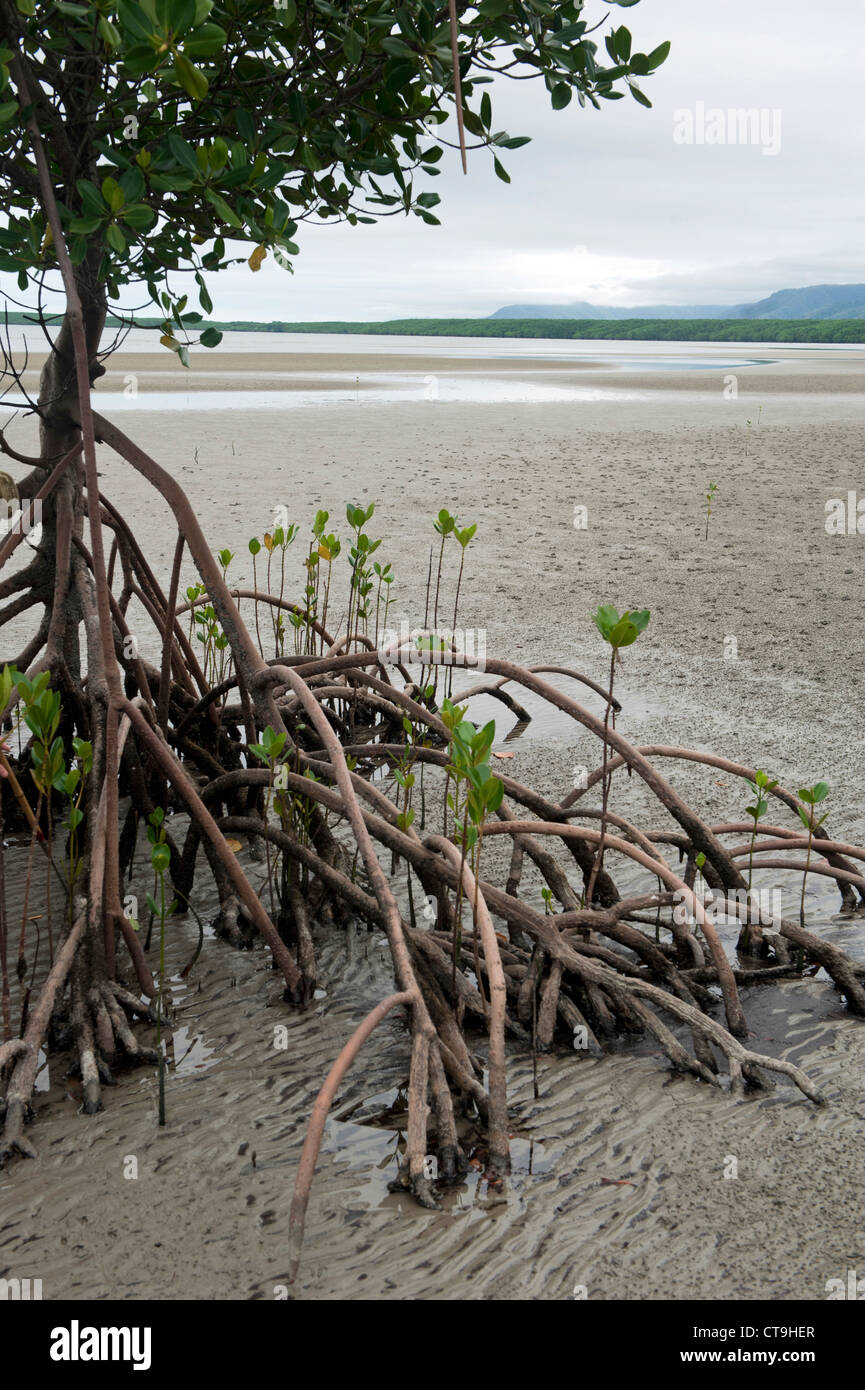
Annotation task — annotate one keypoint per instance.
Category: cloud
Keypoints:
(605, 205)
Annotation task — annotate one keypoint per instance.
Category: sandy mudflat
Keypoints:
(201, 1221)
(800, 369)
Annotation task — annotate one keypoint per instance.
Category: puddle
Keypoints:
(550, 724)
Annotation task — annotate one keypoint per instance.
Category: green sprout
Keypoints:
(710, 497)
(476, 794)
(268, 751)
(618, 630)
(254, 550)
(812, 797)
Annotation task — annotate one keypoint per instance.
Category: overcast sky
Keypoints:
(606, 205)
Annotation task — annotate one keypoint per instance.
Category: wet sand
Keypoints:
(282, 367)
(200, 1220)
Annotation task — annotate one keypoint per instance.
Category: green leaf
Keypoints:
(160, 858)
(352, 46)
(8, 112)
(206, 41)
(139, 59)
(225, 212)
(133, 19)
(109, 32)
(501, 171)
(191, 78)
(495, 794)
(132, 183)
(92, 201)
(210, 338)
(624, 633)
(560, 96)
(659, 55)
(184, 154)
(85, 225)
(605, 619)
(115, 238)
(113, 194)
(170, 183)
(139, 216)
(203, 297)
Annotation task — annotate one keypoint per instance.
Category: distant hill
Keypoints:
(605, 313)
(813, 302)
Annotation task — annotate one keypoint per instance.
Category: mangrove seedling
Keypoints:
(812, 797)
(476, 794)
(710, 497)
(361, 584)
(463, 534)
(760, 785)
(384, 575)
(444, 523)
(328, 549)
(618, 631)
(254, 548)
(268, 752)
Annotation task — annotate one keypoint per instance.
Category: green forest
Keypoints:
(644, 330)
(640, 330)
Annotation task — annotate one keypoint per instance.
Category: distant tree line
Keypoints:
(640, 330)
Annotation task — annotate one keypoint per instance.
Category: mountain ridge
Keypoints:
(809, 302)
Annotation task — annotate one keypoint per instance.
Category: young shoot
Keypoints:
(618, 631)
(812, 797)
(710, 497)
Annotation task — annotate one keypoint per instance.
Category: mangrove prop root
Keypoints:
(318, 1118)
